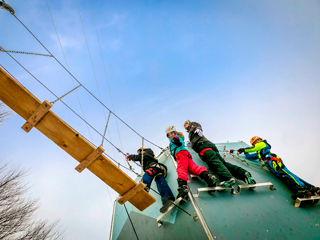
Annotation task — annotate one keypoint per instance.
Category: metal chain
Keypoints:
(37, 54)
(66, 95)
(105, 130)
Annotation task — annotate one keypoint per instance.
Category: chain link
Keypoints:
(38, 54)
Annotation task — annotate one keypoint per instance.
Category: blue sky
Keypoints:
(240, 68)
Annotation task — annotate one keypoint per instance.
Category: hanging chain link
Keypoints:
(37, 54)
(65, 94)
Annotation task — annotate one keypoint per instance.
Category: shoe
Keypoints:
(147, 189)
(249, 180)
(183, 190)
(315, 191)
(228, 184)
(304, 193)
(212, 182)
(166, 205)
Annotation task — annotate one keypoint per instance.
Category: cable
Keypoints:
(65, 104)
(67, 66)
(94, 72)
(131, 221)
(82, 84)
(105, 71)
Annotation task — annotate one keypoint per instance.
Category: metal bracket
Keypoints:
(89, 159)
(37, 116)
(255, 185)
(218, 188)
(128, 195)
(7, 7)
(192, 176)
(299, 200)
(169, 209)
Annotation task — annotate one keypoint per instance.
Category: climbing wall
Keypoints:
(261, 213)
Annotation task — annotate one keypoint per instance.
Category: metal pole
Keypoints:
(142, 157)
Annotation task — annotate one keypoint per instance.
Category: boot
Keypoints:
(210, 179)
(248, 179)
(183, 190)
(228, 183)
(315, 191)
(303, 193)
(168, 203)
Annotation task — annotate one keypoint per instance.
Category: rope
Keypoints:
(82, 84)
(142, 157)
(68, 66)
(37, 54)
(65, 95)
(131, 221)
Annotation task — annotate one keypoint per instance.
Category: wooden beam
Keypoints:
(128, 195)
(89, 159)
(37, 116)
(24, 103)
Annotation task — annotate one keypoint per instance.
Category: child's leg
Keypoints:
(182, 162)
(236, 171)
(216, 165)
(148, 177)
(164, 189)
(291, 180)
(194, 168)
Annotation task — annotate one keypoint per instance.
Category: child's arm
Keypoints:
(255, 148)
(134, 157)
(176, 141)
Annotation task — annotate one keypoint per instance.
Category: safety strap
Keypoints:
(272, 159)
(204, 150)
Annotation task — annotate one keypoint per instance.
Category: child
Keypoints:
(154, 170)
(210, 154)
(185, 162)
(275, 164)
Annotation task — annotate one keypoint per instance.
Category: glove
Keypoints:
(199, 132)
(128, 158)
(241, 150)
(176, 141)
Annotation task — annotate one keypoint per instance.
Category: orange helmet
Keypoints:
(140, 149)
(255, 138)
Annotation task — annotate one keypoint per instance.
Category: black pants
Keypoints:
(218, 165)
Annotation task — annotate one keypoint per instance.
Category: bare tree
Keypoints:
(17, 212)
(5, 113)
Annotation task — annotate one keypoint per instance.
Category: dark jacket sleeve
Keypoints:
(194, 138)
(148, 154)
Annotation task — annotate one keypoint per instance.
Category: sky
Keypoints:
(239, 68)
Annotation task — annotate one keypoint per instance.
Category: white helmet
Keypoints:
(170, 129)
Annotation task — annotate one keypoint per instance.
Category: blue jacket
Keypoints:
(174, 149)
